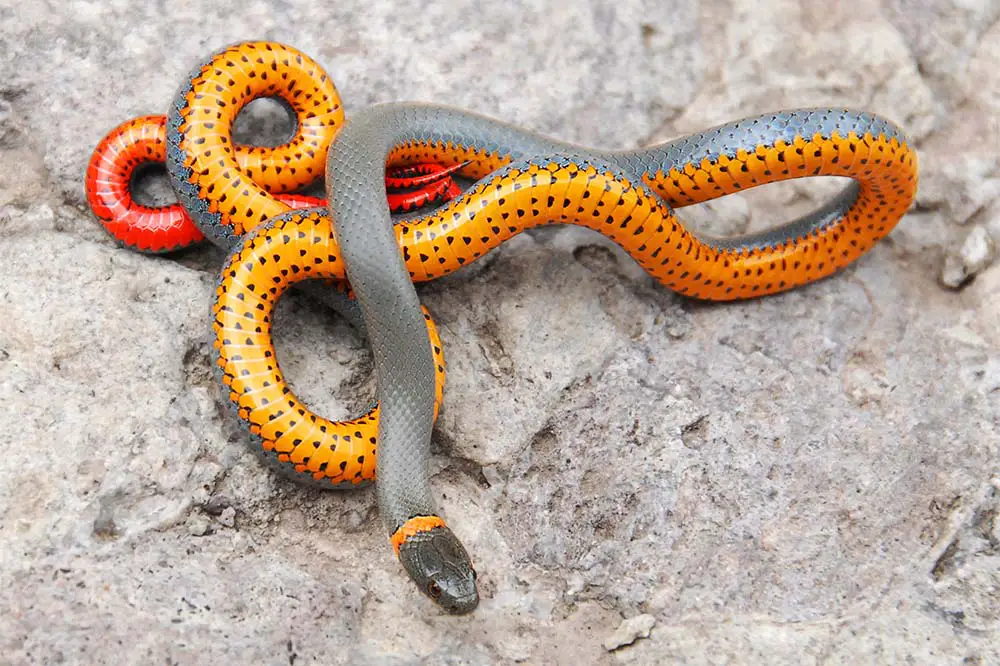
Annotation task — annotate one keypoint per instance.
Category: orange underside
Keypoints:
(647, 228)
(253, 280)
(238, 191)
(642, 223)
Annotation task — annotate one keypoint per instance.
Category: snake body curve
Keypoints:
(225, 197)
(210, 169)
(121, 155)
(220, 183)
(526, 180)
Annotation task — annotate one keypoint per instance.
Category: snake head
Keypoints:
(438, 564)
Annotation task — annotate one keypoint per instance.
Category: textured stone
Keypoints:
(629, 631)
(975, 255)
(805, 478)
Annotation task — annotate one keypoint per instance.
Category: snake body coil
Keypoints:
(526, 180)
(224, 183)
(233, 195)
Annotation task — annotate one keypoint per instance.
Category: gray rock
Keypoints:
(975, 255)
(967, 186)
(629, 631)
(808, 477)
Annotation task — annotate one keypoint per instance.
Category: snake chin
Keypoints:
(439, 565)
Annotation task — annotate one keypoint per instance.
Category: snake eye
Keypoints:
(434, 589)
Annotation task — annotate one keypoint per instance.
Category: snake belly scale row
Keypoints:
(136, 144)
(525, 180)
(121, 155)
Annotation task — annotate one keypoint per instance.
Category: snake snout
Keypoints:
(440, 566)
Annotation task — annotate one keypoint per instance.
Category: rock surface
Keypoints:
(629, 631)
(807, 478)
(977, 253)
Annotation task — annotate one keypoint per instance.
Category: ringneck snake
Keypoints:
(522, 180)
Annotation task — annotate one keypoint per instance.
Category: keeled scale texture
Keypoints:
(138, 527)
